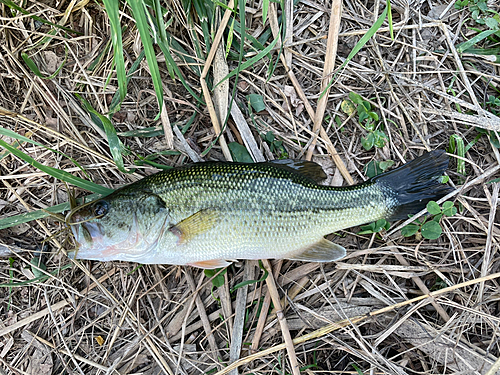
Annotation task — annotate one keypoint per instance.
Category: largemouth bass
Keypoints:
(209, 214)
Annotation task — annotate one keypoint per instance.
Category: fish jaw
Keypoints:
(95, 244)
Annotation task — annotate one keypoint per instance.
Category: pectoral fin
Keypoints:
(210, 264)
(194, 225)
(321, 251)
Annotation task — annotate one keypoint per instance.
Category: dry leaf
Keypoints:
(40, 363)
(51, 61)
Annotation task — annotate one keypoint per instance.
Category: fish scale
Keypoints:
(208, 214)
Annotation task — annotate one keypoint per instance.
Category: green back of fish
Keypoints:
(260, 186)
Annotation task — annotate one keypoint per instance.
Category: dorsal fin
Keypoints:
(321, 251)
(309, 169)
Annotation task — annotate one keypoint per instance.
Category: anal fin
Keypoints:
(210, 264)
(321, 251)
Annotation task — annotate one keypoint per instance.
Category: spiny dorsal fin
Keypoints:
(321, 251)
(306, 168)
(195, 225)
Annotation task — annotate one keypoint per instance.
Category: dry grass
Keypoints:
(381, 310)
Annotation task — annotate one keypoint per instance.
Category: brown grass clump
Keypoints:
(394, 305)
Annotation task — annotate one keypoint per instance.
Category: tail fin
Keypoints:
(416, 183)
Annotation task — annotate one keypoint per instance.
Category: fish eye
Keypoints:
(101, 208)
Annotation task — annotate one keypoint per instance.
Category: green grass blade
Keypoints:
(251, 61)
(11, 221)
(13, 5)
(389, 19)
(61, 175)
(100, 57)
(40, 279)
(169, 60)
(11, 134)
(116, 101)
(113, 11)
(202, 9)
(265, 9)
(479, 37)
(230, 35)
(364, 39)
(457, 147)
(161, 31)
(139, 11)
(31, 64)
(114, 143)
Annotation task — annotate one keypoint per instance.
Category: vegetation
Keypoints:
(98, 94)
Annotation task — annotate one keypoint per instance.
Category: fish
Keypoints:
(211, 214)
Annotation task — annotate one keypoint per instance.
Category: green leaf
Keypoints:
(368, 229)
(491, 23)
(433, 208)
(218, 280)
(431, 230)
(230, 36)
(372, 169)
(457, 143)
(437, 218)
(11, 134)
(368, 141)
(373, 115)
(449, 208)
(257, 102)
(239, 153)
(356, 98)
(384, 165)
(444, 179)
(389, 19)
(380, 224)
(36, 265)
(265, 9)
(380, 138)
(269, 137)
(375, 227)
(363, 115)
(409, 230)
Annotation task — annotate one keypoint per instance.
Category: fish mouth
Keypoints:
(94, 244)
(89, 240)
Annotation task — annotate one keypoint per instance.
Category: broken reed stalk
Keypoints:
(204, 86)
(271, 285)
(328, 68)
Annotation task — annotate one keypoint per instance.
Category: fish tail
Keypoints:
(414, 184)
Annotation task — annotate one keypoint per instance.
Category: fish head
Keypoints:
(122, 226)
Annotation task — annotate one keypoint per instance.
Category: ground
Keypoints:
(338, 90)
